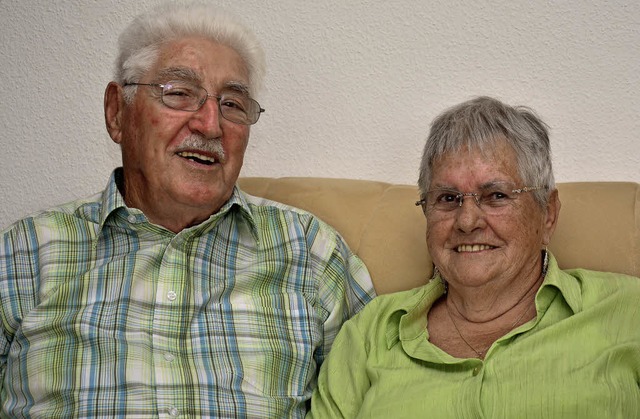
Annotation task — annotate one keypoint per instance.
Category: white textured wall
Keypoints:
(351, 86)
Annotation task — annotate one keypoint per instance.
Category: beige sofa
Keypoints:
(599, 226)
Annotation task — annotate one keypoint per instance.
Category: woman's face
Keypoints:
(472, 248)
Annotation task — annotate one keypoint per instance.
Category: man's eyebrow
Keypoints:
(238, 87)
(187, 74)
(179, 73)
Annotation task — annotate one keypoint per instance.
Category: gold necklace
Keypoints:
(482, 352)
(436, 272)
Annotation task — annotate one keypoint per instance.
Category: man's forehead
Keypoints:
(179, 73)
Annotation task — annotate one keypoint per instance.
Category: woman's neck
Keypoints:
(490, 305)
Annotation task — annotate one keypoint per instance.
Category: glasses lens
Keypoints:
(239, 109)
(443, 199)
(496, 199)
(183, 96)
(234, 107)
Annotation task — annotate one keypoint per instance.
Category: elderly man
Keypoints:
(172, 293)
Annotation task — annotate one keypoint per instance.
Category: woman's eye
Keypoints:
(447, 197)
(496, 196)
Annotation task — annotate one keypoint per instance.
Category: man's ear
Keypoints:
(113, 110)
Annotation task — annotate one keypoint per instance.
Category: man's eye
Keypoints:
(232, 104)
(178, 92)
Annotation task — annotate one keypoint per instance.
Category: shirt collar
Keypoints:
(566, 284)
(408, 320)
(113, 201)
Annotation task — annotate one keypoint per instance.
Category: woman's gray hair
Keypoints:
(480, 124)
(140, 43)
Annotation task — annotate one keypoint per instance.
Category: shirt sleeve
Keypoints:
(7, 283)
(19, 277)
(343, 379)
(344, 284)
(4, 348)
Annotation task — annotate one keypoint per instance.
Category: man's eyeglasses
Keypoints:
(494, 200)
(185, 96)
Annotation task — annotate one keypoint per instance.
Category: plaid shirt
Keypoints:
(107, 315)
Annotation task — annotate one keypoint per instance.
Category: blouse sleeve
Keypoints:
(343, 379)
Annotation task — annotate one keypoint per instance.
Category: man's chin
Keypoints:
(205, 198)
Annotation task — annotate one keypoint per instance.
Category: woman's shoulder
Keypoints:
(606, 280)
(385, 306)
(597, 286)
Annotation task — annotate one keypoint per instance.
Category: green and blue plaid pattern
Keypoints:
(106, 315)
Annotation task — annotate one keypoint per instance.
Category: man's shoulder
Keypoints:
(268, 211)
(67, 215)
(275, 221)
(260, 202)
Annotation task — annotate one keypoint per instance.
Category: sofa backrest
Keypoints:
(599, 225)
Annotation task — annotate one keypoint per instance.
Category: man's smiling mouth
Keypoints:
(197, 157)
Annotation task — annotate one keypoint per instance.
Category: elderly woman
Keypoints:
(499, 331)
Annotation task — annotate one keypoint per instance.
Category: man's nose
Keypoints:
(207, 119)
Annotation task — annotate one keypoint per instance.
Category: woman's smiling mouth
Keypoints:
(473, 248)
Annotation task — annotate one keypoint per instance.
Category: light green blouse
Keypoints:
(579, 358)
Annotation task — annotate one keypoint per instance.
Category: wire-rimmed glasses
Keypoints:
(494, 199)
(185, 96)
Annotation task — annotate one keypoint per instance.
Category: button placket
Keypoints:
(169, 295)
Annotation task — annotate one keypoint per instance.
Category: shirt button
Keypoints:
(169, 357)
(171, 295)
(174, 412)
(132, 219)
(476, 371)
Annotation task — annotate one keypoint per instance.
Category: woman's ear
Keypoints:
(113, 109)
(553, 212)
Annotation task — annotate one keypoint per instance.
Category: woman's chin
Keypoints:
(470, 277)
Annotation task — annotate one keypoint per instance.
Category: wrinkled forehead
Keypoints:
(472, 165)
(189, 75)
(200, 61)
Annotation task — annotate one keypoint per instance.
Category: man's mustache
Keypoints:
(201, 143)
